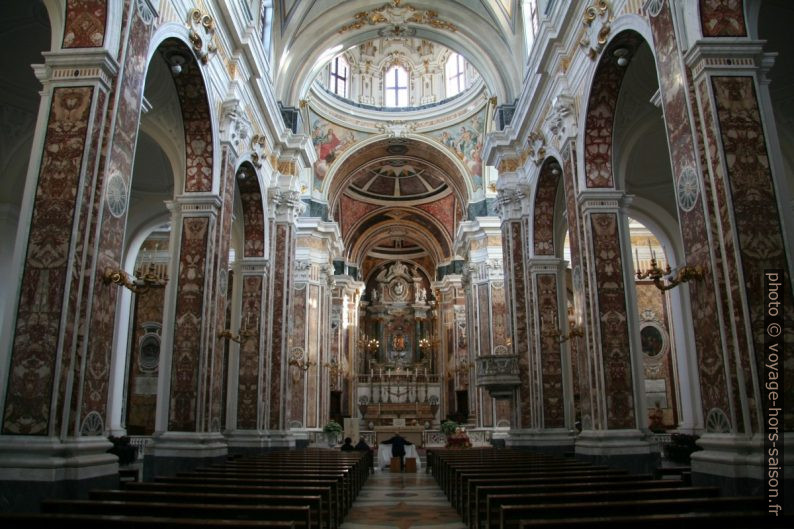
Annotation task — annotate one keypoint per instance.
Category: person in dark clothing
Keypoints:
(362, 445)
(398, 444)
(348, 446)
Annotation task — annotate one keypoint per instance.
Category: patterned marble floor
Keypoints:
(402, 500)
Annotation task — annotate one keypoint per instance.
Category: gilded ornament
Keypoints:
(396, 15)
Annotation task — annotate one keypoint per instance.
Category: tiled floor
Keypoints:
(402, 500)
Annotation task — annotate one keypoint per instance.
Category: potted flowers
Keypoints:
(332, 431)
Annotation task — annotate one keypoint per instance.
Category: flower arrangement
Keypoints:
(333, 427)
(448, 427)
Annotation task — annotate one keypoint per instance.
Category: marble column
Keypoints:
(284, 207)
(184, 433)
(55, 385)
(453, 346)
(308, 363)
(513, 207)
(344, 332)
(734, 186)
(611, 431)
(480, 242)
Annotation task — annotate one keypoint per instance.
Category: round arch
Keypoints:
(334, 186)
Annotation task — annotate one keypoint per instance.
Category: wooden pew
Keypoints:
(494, 502)
(461, 497)
(480, 492)
(103, 521)
(694, 520)
(510, 516)
(313, 502)
(301, 515)
(329, 513)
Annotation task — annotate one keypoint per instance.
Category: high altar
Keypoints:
(398, 388)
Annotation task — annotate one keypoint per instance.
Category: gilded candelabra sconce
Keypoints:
(425, 346)
(302, 364)
(297, 359)
(664, 279)
(140, 284)
(553, 331)
(242, 334)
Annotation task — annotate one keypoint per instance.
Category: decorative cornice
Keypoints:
(285, 204)
(398, 16)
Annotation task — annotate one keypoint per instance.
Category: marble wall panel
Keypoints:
(587, 406)
(543, 228)
(722, 18)
(550, 354)
(253, 217)
(248, 377)
(313, 395)
(282, 267)
(45, 277)
(187, 344)
(219, 284)
(695, 219)
(196, 118)
(297, 382)
(514, 237)
(615, 351)
(141, 404)
(110, 235)
(85, 23)
(351, 211)
(484, 317)
(757, 222)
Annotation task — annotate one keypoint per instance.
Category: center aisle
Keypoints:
(402, 500)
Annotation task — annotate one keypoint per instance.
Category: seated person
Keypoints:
(348, 446)
(398, 444)
(362, 445)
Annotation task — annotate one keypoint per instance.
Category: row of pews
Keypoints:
(509, 489)
(306, 489)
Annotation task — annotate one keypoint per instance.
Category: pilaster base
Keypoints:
(557, 441)
(35, 468)
(737, 465)
(626, 449)
(257, 441)
(172, 452)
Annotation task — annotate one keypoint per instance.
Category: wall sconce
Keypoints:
(302, 364)
(142, 282)
(554, 331)
(243, 333)
(424, 346)
(683, 274)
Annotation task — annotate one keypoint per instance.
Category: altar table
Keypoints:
(384, 455)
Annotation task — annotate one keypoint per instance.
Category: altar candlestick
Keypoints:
(636, 260)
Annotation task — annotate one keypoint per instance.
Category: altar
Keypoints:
(384, 455)
(412, 434)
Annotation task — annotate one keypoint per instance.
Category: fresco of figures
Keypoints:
(465, 139)
(330, 140)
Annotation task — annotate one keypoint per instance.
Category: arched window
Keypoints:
(266, 15)
(396, 82)
(337, 77)
(456, 74)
